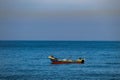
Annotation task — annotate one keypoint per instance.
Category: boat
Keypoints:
(65, 61)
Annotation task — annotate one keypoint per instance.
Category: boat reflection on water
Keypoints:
(65, 61)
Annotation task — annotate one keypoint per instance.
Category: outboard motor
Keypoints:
(82, 61)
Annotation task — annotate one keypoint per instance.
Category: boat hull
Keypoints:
(65, 61)
(62, 62)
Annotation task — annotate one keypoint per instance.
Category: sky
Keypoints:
(88, 20)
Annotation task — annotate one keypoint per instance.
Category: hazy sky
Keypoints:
(60, 20)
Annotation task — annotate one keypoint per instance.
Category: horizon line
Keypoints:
(68, 40)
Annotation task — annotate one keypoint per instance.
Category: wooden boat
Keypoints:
(65, 61)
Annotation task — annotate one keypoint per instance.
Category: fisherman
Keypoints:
(80, 60)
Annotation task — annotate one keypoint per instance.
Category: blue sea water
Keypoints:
(28, 60)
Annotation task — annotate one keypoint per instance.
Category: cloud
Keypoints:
(55, 8)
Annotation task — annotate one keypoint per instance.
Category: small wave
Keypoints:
(112, 63)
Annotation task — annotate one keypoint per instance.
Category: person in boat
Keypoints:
(52, 58)
(80, 60)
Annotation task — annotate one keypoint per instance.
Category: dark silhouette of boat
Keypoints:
(65, 61)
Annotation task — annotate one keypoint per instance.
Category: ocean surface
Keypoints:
(28, 60)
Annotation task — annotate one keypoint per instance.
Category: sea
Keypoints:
(28, 60)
